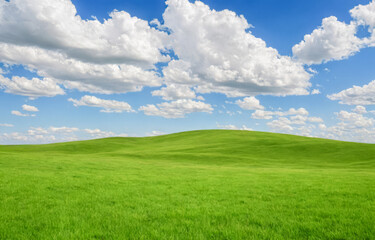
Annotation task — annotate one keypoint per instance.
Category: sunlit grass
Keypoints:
(193, 185)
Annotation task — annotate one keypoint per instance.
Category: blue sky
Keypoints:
(79, 69)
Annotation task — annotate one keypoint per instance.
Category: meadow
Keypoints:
(209, 184)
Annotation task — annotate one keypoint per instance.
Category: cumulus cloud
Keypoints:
(18, 113)
(109, 106)
(352, 126)
(336, 40)
(97, 133)
(356, 95)
(54, 134)
(249, 103)
(282, 124)
(56, 25)
(176, 109)
(155, 133)
(217, 53)
(32, 88)
(92, 77)
(315, 91)
(117, 55)
(234, 127)
(30, 108)
(359, 109)
(261, 114)
(364, 15)
(293, 121)
(315, 119)
(174, 92)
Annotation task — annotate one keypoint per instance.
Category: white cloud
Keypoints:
(234, 127)
(18, 113)
(65, 130)
(97, 133)
(55, 25)
(217, 53)
(359, 109)
(356, 95)
(54, 134)
(365, 15)
(32, 88)
(155, 133)
(109, 106)
(298, 120)
(176, 109)
(334, 40)
(29, 108)
(352, 126)
(174, 92)
(313, 71)
(315, 119)
(6, 125)
(315, 91)
(249, 103)
(293, 111)
(356, 119)
(261, 114)
(117, 55)
(92, 77)
(281, 124)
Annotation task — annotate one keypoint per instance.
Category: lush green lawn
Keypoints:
(193, 185)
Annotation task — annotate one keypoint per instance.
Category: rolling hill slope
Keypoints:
(209, 184)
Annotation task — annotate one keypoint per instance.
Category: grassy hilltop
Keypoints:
(212, 184)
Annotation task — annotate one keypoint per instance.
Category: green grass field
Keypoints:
(213, 184)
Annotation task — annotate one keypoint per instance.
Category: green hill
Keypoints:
(211, 184)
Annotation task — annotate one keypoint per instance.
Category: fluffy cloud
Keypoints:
(234, 127)
(249, 103)
(176, 109)
(335, 40)
(360, 109)
(365, 15)
(292, 121)
(18, 113)
(155, 133)
(29, 108)
(315, 91)
(92, 77)
(54, 134)
(356, 95)
(315, 119)
(117, 55)
(217, 53)
(109, 106)
(174, 92)
(352, 126)
(261, 114)
(356, 119)
(97, 133)
(55, 25)
(282, 124)
(32, 88)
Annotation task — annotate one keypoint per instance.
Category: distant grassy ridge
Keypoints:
(223, 146)
(209, 184)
